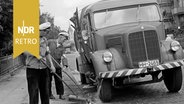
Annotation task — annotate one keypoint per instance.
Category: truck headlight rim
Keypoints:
(107, 56)
(175, 46)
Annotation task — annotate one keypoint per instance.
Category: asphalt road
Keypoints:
(14, 91)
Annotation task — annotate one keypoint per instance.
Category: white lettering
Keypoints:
(29, 41)
(25, 41)
(25, 29)
(20, 30)
(20, 41)
(34, 41)
(16, 41)
(31, 29)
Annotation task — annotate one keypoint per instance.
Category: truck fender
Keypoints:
(167, 54)
(101, 66)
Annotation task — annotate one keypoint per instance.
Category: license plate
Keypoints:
(149, 63)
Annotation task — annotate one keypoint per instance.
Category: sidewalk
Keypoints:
(13, 90)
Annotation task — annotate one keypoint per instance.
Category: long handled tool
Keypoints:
(72, 98)
(57, 76)
(72, 78)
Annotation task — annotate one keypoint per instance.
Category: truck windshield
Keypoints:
(126, 15)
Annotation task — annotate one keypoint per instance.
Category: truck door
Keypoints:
(89, 43)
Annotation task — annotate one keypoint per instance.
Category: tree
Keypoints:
(6, 26)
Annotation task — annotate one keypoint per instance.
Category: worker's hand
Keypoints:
(53, 69)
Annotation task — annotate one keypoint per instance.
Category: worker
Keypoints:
(57, 49)
(37, 73)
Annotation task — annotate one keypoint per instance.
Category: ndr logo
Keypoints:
(25, 29)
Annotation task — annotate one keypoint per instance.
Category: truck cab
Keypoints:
(122, 40)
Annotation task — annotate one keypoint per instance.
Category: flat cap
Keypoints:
(45, 25)
(64, 33)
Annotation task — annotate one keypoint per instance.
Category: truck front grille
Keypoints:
(144, 46)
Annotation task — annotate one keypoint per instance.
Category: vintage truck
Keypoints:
(122, 42)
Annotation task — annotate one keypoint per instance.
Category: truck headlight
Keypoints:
(107, 56)
(175, 46)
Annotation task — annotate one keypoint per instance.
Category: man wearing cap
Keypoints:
(57, 50)
(37, 72)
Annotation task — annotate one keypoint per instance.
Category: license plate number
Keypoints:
(149, 63)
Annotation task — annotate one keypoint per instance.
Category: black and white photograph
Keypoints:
(97, 52)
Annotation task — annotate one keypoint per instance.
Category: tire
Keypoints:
(106, 90)
(173, 79)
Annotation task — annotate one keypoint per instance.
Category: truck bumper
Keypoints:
(138, 71)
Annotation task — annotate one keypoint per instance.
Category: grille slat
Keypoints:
(138, 46)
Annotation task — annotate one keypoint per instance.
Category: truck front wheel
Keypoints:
(106, 90)
(173, 79)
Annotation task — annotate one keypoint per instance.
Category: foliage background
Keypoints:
(6, 27)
